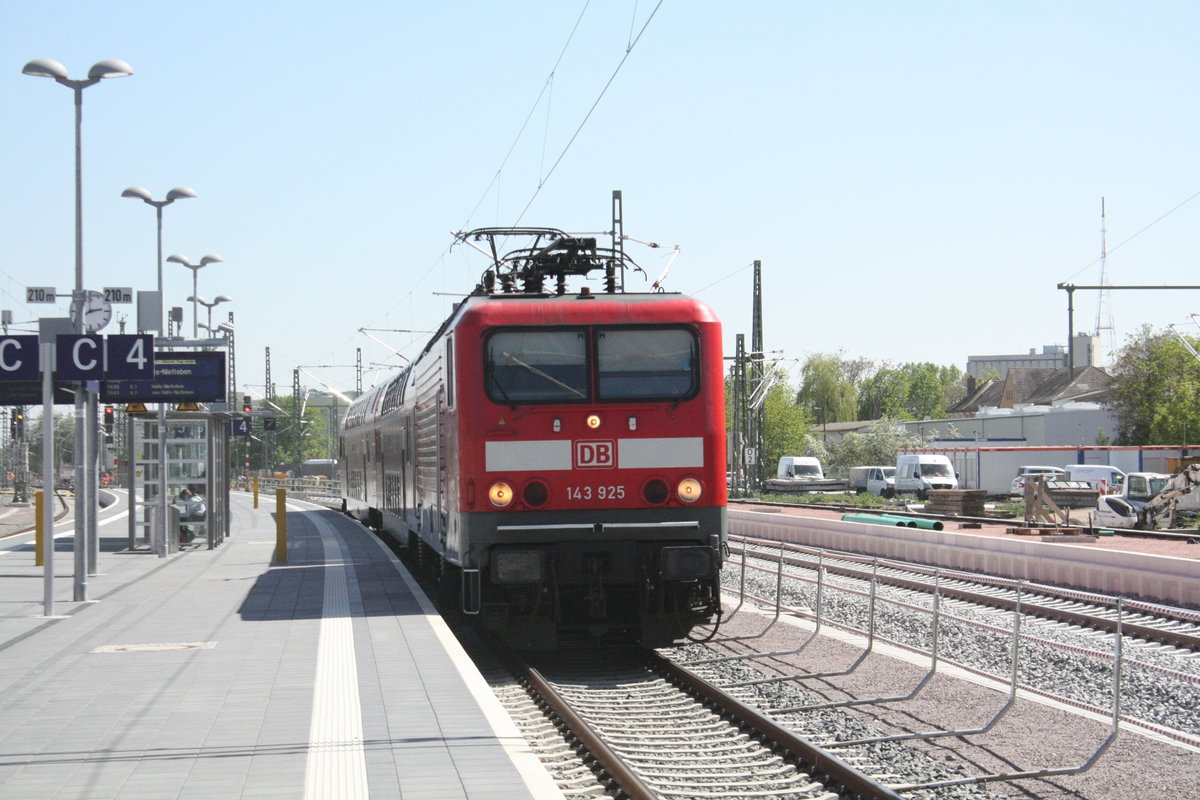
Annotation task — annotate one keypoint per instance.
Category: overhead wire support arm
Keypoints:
(379, 341)
(1070, 289)
(1183, 340)
(327, 386)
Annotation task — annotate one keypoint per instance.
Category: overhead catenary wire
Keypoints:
(543, 179)
(735, 273)
(547, 86)
(1145, 228)
(588, 115)
(496, 175)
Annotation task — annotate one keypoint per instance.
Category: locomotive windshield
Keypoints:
(543, 366)
(645, 364)
(554, 366)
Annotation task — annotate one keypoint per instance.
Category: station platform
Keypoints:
(224, 673)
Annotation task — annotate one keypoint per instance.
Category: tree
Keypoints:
(827, 389)
(1156, 389)
(912, 391)
(884, 395)
(877, 445)
(785, 425)
(293, 443)
(926, 398)
(64, 443)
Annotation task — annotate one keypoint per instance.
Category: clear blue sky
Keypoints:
(915, 177)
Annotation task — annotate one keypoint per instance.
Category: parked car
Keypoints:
(1048, 473)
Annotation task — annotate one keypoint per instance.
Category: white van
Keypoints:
(1106, 479)
(878, 480)
(805, 468)
(917, 473)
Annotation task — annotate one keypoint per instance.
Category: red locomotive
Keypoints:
(556, 458)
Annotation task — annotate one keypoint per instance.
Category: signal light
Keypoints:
(20, 423)
(247, 407)
(108, 419)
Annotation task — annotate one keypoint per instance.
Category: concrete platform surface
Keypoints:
(224, 673)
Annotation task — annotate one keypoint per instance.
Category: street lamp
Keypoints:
(49, 68)
(178, 193)
(221, 298)
(86, 499)
(195, 268)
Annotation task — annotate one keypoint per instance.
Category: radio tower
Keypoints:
(1104, 317)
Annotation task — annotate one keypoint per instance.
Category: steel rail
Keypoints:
(625, 779)
(1176, 535)
(1183, 640)
(817, 760)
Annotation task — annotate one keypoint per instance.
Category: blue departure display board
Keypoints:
(179, 377)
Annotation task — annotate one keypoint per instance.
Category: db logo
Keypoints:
(595, 453)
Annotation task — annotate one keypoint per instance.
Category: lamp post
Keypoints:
(221, 298)
(178, 193)
(195, 268)
(49, 68)
(85, 402)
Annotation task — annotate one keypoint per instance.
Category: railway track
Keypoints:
(850, 508)
(619, 724)
(1148, 622)
(655, 730)
(633, 724)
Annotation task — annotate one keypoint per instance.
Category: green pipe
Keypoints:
(907, 522)
(875, 519)
(918, 522)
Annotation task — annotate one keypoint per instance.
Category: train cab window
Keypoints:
(449, 373)
(542, 366)
(646, 364)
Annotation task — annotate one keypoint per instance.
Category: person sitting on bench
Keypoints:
(193, 510)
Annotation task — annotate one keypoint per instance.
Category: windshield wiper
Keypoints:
(549, 378)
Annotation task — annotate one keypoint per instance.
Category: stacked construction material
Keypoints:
(955, 502)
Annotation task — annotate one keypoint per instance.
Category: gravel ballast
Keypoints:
(1062, 661)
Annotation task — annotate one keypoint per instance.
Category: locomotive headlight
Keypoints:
(688, 490)
(593, 421)
(501, 494)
